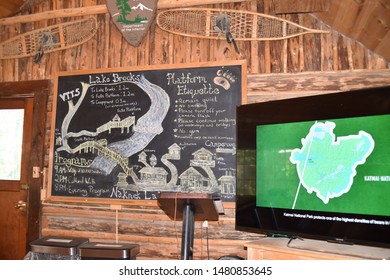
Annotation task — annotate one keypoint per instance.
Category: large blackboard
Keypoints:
(130, 133)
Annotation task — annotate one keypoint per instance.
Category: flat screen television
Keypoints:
(316, 167)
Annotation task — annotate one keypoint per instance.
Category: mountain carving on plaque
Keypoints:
(132, 17)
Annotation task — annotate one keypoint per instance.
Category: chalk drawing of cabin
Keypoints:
(192, 179)
(174, 152)
(203, 157)
(142, 157)
(122, 183)
(58, 140)
(153, 175)
(227, 183)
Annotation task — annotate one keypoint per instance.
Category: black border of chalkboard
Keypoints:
(63, 77)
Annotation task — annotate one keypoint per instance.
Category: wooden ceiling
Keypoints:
(367, 21)
(10, 7)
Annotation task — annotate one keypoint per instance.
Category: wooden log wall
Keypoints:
(309, 64)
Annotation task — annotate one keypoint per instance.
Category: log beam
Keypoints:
(102, 9)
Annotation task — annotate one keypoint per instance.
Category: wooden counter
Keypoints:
(308, 249)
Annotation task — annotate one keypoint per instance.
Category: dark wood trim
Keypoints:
(38, 90)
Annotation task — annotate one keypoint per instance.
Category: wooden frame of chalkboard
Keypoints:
(122, 135)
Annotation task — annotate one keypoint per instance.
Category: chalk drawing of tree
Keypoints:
(124, 9)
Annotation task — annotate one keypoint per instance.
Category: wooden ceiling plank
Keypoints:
(329, 16)
(375, 30)
(300, 6)
(365, 15)
(365, 21)
(346, 16)
(4, 10)
(383, 47)
(10, 7)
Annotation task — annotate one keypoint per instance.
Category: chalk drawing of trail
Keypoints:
(145, 129)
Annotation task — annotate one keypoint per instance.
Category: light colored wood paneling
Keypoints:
(279, 249)
(158, 236)
(263, 88)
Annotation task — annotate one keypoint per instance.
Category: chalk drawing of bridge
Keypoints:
(100, 147)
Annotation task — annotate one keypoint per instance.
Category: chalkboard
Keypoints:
(128, 134)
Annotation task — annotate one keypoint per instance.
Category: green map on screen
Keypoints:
(326, 164)
(340, 165)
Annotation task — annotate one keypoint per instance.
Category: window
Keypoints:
(11, 139)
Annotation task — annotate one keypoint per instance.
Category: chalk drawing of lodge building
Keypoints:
(227, 184)
(151, 174)
(192, 179)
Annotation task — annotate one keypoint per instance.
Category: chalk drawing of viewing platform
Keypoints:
(116, 122)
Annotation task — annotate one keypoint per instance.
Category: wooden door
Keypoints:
(20, 194)
(15, 148)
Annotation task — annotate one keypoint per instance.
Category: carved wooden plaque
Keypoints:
(132, 17)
